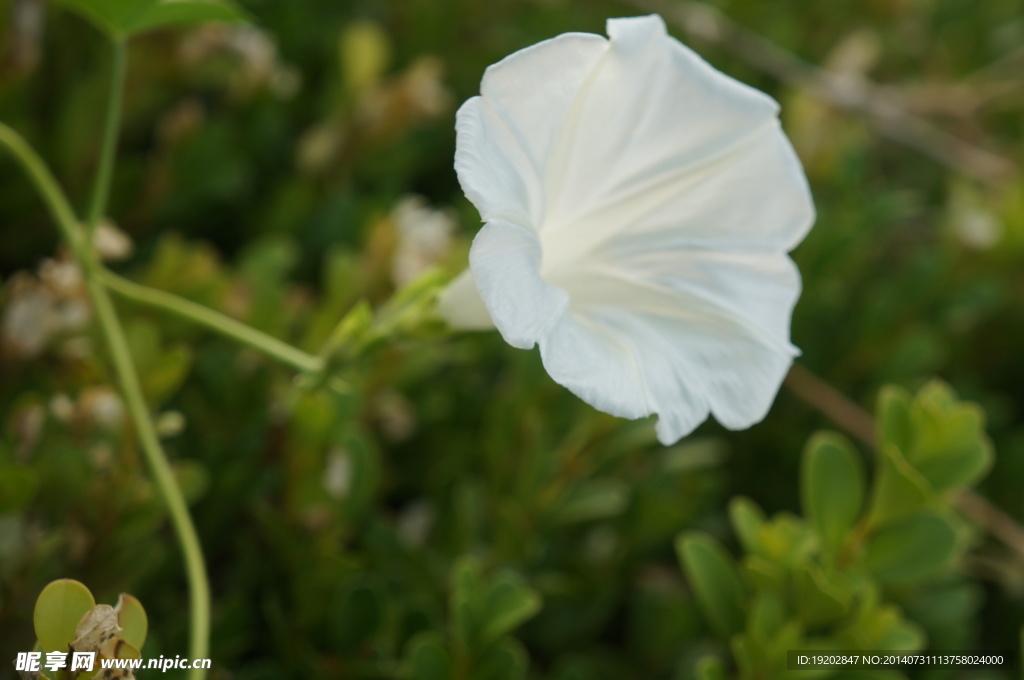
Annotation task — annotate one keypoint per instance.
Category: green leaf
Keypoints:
(509, 603)
(351, 334)
(903, 636)
(911, 548)
(131, 616)
(593, 499)
(483, 611)
(711, 668)
(764, 574)
(467, 599)
(789, 636)
(264, 265)
(945, 605)
(505, 661)
(899, 488)
(427, 658)
(749, 657)
(715, 581)
(943, 439)
(819, 600)
(832, 487)
(767, 616)
(786, 539)
(59, 608)
(121, 19)
(959, 469)
(127, 651)
(747, 521)
(894, 426)
(359, 616)
(882, 628)
(162, 369)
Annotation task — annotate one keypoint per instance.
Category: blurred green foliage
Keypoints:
(451, 510)
(842, 577)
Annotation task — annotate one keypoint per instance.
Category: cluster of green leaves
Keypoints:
(483, 612)
(840, 577)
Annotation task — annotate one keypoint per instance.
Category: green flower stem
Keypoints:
(214, 320)
(108, 147)
(131, 390)
(195, 567)
(47, 186)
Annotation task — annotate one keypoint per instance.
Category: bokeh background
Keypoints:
(285, 170)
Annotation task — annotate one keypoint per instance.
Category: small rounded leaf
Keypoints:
(894, 420)
(747, 519)
(832, 486)
(899, 488)
(767, 615)
(428, 659)
(467, 597)
(818, 600)
(715, 581)
(124, 650)
(59, 608)
(592, 500)
(510, 602)
(960, 468)
(911, 548)
(711, 668)
(133, 620)
(504, 661)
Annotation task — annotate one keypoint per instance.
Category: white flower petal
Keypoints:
(505, 261)
(493, 174)
(632, 365)
(639, 208)
(754, 197)
(640, 341)
(653, 110)
(715, 340)
(505, 138)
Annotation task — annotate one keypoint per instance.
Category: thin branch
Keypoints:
(835, 405)
(212, 319)
(860, 425)
(853, 94)
(108, 144)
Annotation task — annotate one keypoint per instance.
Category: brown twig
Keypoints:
(860, 425)
(835, 405)
(853, 94)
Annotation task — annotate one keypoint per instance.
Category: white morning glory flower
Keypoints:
(639, 207)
